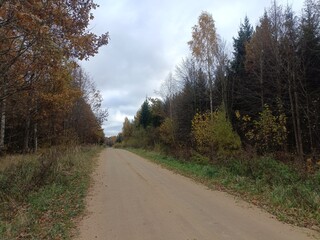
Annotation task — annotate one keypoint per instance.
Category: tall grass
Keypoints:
(282, 190)
(40, 195)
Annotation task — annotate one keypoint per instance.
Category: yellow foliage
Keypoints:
(269, 132)
(166, 130)
(213, 135)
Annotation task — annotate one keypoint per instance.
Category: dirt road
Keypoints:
(134, 199)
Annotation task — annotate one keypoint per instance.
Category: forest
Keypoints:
(46, 98)
(261, 99)
(51, 116)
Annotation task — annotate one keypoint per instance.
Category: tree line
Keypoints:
(265, 98)
(45, 96)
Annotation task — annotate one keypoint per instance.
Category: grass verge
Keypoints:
(289, 195)
(41, 195)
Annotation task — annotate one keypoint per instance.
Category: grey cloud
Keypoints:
(112, 129)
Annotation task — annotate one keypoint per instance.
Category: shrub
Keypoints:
(214, 135)
(199, 159)
(167, 132)
(269, 132)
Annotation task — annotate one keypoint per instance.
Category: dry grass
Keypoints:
(9, 160)
(42, 193)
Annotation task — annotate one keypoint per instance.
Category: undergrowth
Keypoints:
(40, 195)
(284, 191)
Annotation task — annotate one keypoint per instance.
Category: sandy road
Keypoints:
(134, 199)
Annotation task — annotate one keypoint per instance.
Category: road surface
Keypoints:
(134, 199)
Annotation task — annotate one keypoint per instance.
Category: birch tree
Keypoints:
(204, 48)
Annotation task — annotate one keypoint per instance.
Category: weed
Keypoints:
(41, 195)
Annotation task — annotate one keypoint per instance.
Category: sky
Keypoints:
(148, 39)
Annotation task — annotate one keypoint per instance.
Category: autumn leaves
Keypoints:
(40, 44)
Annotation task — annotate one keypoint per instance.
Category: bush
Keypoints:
(141, 138)
(167, 132)
(269, 132)
(214, 135)
(199, 159)
(118, 145)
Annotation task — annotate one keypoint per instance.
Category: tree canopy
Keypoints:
(41, 89)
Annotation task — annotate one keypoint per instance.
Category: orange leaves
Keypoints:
(62, 22)
(37, 40)
(3, 10)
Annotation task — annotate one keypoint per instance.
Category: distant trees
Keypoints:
(127, 129)
(266, 97)
(40, 43)
(145, 115)
(87, 114)
(144, 130)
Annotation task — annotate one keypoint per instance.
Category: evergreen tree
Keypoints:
(145, 115)
(241, 95)
(239, 46)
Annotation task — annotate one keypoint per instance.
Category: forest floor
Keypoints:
(133, 198)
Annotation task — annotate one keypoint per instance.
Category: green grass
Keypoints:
(41, 195)
(285, 192)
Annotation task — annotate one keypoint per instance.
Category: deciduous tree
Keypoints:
(204, 47)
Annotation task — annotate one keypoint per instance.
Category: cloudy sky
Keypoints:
(148, 39)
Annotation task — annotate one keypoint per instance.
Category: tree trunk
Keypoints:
(294, 117)
(297, 111)
(310, 128)
(35, 137)
(261, 80)
(3, 118)
(211, 94)
(3, 125)
(35, 128)
(26, 134)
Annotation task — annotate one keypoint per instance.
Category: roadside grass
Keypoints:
(41, 195)
(288, 194)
